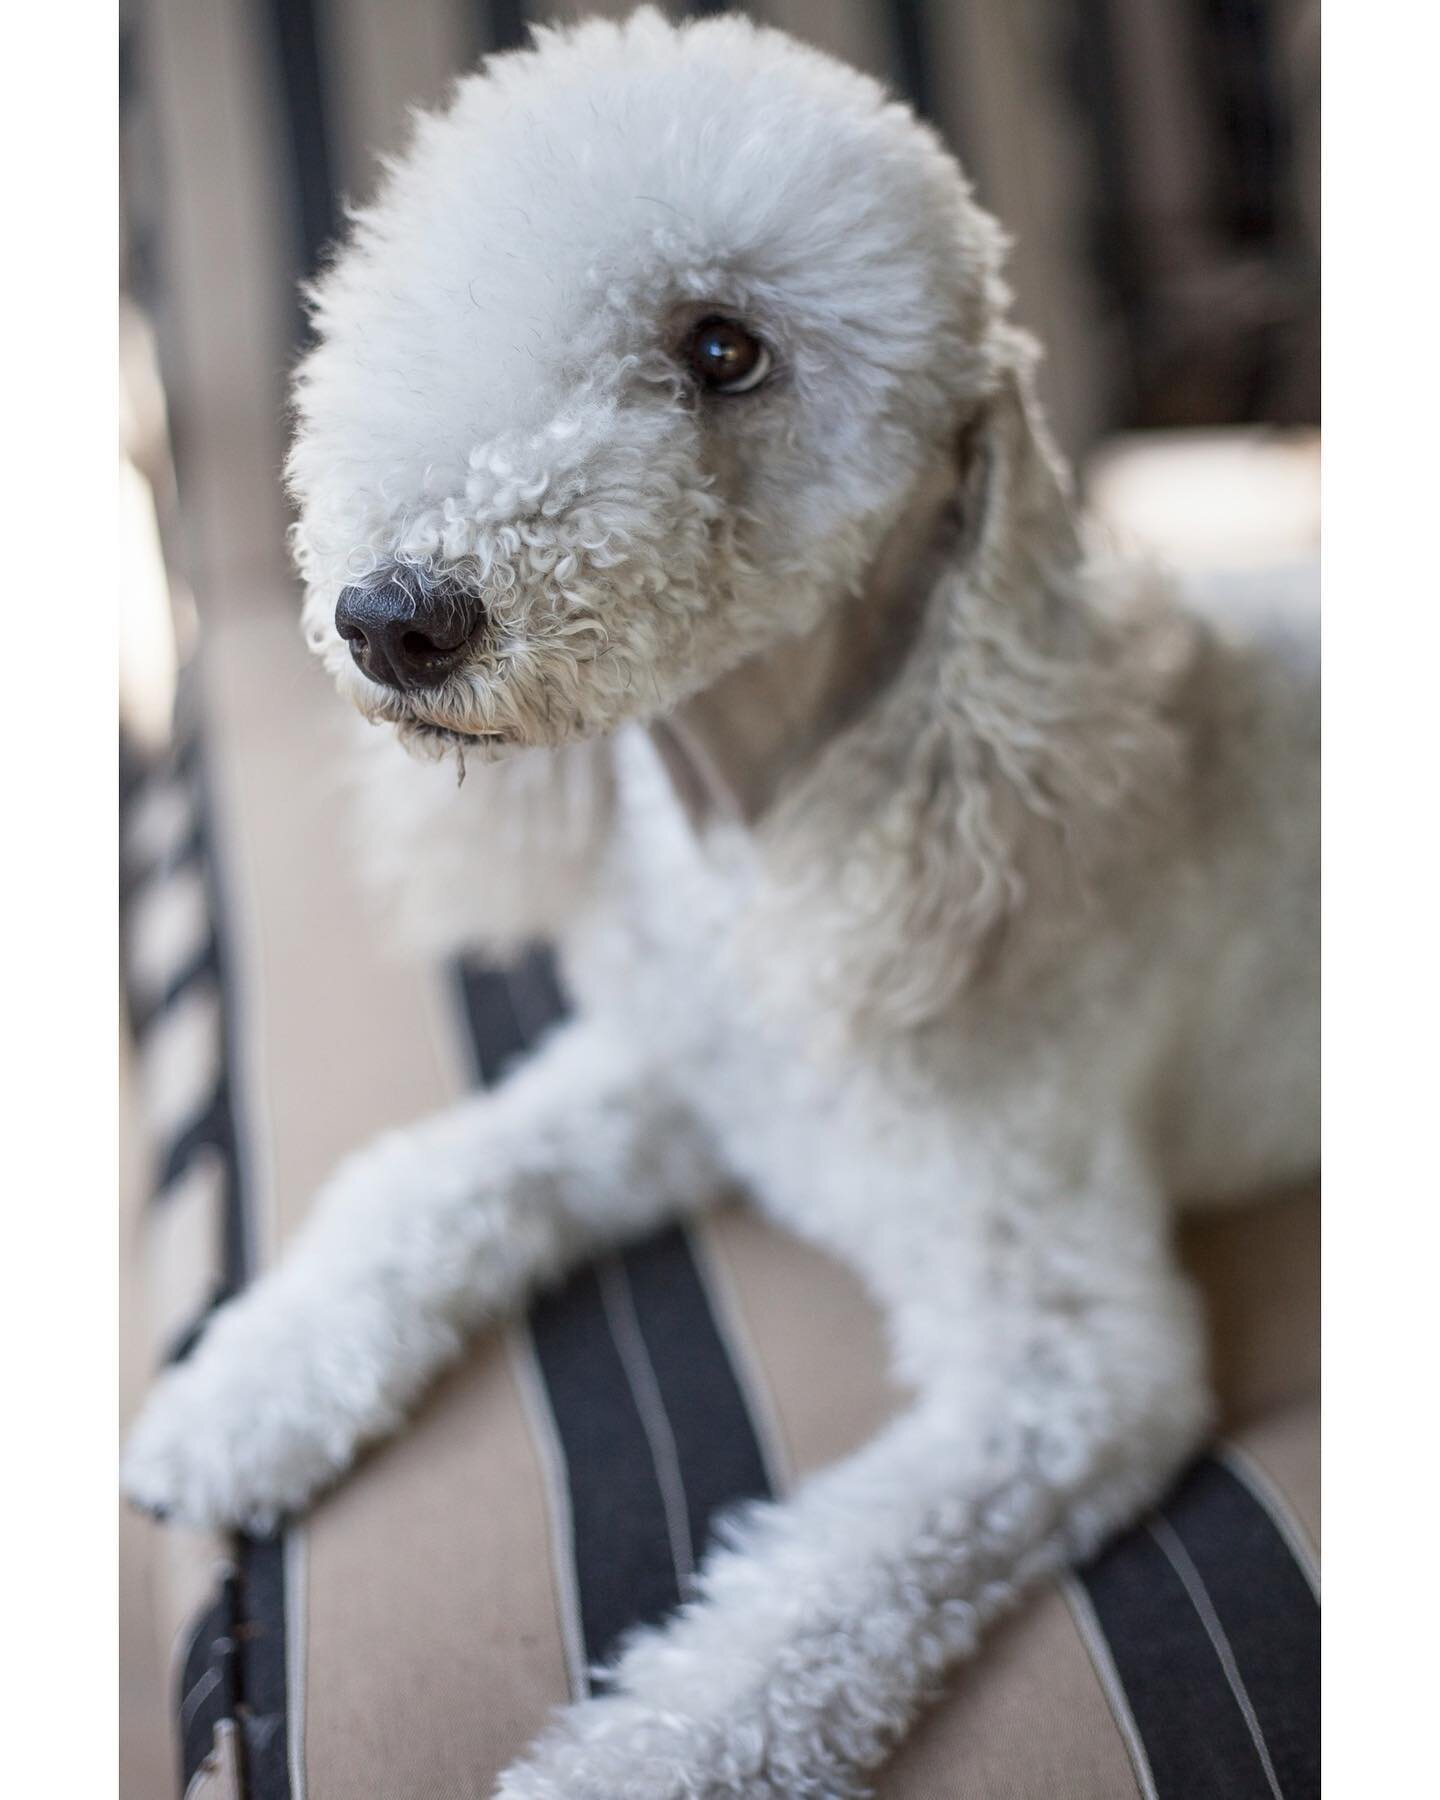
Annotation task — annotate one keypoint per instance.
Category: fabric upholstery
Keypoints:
(411, 1636)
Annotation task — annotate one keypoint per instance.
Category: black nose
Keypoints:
(407, 636)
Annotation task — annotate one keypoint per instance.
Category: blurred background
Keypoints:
(1156, 162)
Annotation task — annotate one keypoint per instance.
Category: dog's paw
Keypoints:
(242, 1433)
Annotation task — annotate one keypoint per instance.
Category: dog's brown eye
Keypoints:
(727, 358)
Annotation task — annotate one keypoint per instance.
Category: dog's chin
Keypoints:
(430, 741)
(423, 733)
(455, 721)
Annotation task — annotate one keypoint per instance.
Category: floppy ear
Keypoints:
(956, 825)
(1018, 529)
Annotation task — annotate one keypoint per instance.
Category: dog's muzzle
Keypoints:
(406, 636)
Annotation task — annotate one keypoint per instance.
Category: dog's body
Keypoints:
(952, 890)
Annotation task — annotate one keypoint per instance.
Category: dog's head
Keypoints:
(626, 375)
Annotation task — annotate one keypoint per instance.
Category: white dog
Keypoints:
(668, 456)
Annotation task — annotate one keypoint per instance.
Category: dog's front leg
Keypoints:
(1062, 1389)
(415, 1242)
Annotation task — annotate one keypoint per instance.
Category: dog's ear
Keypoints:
(1017, 526)
(993, 773)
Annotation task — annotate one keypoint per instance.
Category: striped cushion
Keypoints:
(413, 1633)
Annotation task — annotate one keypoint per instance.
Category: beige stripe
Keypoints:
(434, 1646)
(1027, 1719)
(185, 1234)
(180, 1062)
(1286, 1448)
(169, 922)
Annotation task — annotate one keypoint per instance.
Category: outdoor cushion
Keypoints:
(413, 1633)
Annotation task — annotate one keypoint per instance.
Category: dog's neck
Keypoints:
(731, 748)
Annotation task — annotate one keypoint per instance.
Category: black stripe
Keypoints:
(715, 1439)
(1087, 59)
(910, 37)
(625, 1556)
(623, 1560)
(623, 1563)
(316, 208)
(234, 1670)
(507, 1011)
(262, 1677)
(624, 1549)
(1190, 1723)
(537, 997)
(1252, 135)
(1193, 1733)
(500, 25)
(1268, 1611)
(1251, 165)
(207, 1692)
(625, 1571)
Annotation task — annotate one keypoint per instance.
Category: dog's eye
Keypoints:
(726, 357)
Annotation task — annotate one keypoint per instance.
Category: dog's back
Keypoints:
(1240, 1103)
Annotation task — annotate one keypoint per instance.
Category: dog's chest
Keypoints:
(664, 939)
(664, 952)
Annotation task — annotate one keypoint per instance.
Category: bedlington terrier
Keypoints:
(669, 457)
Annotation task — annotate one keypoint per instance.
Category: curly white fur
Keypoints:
(950, 887)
